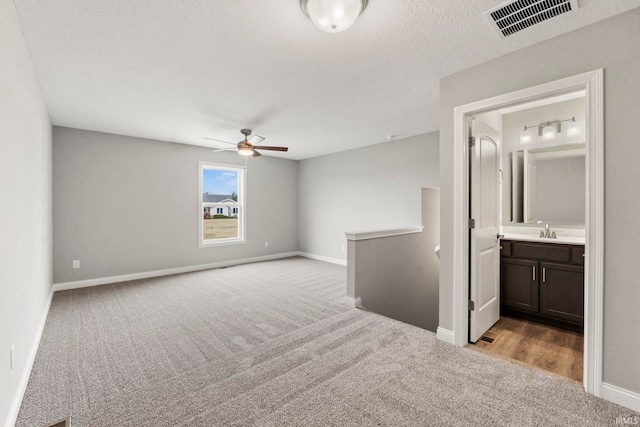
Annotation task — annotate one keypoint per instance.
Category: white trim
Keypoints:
(375, 234)
(621, 396)
(353, 302)
(322, 258)
(594, 222)
(14, 408)
(166, 272)
(592, 84)
(444, 335)
(559, 154)
(460, 228)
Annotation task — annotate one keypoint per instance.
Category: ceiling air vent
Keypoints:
(514, 16)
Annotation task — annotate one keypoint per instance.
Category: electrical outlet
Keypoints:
(266, 244)
(342, 247)
(11, 356)
(76, 263)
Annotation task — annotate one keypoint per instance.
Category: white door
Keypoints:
(484, 275)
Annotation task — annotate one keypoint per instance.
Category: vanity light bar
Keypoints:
(548, 130)
(553, 122)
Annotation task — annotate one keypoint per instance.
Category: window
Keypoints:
(222, 212)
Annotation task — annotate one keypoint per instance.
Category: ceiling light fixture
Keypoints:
(245, 149)
(548, 130)
(333, 16)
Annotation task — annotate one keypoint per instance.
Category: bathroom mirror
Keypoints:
(548, 185)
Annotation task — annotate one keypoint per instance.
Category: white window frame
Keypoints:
(240, 204)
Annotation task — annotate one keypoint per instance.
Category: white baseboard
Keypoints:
(166, 272)
(353, 302)
(26, 372)
(323, 258)
(444, 335)
(621, 396)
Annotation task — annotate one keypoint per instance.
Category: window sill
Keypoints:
(220, 242)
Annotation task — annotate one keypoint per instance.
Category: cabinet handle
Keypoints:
(534, 273)
(544, 275)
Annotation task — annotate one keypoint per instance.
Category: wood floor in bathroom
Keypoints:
(545, 347)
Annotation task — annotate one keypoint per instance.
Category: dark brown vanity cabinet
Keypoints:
(543, 281)
(562, 292)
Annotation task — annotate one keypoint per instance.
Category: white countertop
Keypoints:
(532, 238)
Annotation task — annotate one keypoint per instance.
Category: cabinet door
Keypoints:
(519, 280)
(562, 292)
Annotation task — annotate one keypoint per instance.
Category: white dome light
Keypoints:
(333, 16)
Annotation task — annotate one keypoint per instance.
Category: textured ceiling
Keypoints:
(180, 71)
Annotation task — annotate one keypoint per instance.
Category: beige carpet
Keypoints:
(271, 344)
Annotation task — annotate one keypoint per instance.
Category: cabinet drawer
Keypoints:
(577, 255)
(542, 252)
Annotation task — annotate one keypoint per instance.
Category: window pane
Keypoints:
(220, 228)
(220, 188)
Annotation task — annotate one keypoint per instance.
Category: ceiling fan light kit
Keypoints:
(245, 150)
(333, 16)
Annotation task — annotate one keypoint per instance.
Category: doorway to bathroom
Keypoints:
(528, 251)
(478, 265)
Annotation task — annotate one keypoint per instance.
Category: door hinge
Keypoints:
(472, 223)
(472, 305)
(472, 141)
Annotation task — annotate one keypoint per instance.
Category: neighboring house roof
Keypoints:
(217, 198)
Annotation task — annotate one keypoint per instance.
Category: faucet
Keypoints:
(547, 234)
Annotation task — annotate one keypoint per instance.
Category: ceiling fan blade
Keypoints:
(266, 147)
(223, 149)
(256, 154)
(219, 140)
(256, 139)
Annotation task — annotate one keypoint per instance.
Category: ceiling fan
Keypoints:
(249, 146)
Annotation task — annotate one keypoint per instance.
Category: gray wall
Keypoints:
(397, 276)
(612, 44)
(377, 187)
(25, 217)
(126, 205)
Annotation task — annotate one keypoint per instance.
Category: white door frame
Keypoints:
(592, 83)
